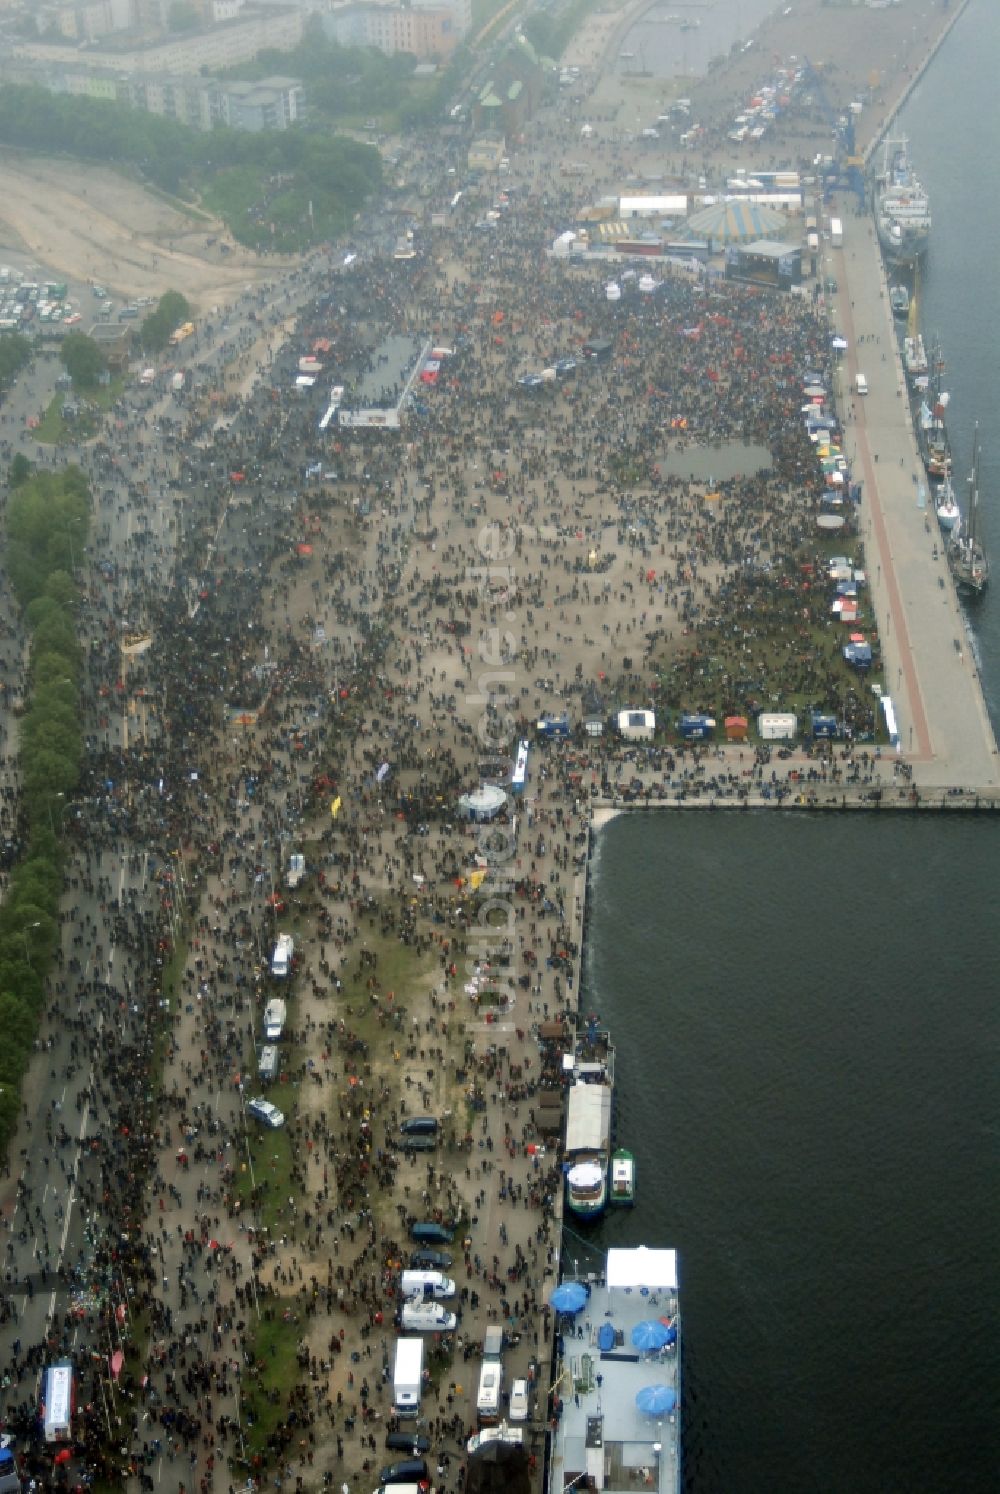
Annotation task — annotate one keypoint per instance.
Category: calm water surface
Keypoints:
(805, 1011)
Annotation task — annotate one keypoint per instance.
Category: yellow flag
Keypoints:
(335, 807)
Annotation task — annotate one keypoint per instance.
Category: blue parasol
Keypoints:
(569, 1297)
(656, 1400)
(649, 1334)
(605, 1337)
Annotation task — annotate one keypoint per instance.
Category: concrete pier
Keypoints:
(929, 668)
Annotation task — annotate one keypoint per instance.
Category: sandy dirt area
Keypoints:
(90, 223)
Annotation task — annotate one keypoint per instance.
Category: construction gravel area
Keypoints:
(91, 223)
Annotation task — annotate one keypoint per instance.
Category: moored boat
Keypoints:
(949, 515)
(902, 207)
(622, 1178)
(587, 1189)
(587, 1148)
(899, 300)
(932, 433)
(915, 358)
(969, 563)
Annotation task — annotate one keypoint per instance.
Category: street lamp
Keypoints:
(24, 936)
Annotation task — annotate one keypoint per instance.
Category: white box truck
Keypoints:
(836, 233)
(493, 1342)
(57, 1403)
(408, 1376)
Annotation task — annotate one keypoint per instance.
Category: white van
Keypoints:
(490, 1387)
(267, 1064)
(425, 1284)
(275, 1016)
(281, 956)
(427, 1317)
(861, 384)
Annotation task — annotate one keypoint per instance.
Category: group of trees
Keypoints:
(82, 360)
(334, 173)
(15, 354)
(172, 309)
(350, 83)
(47, 521)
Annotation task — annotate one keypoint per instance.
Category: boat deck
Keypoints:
(601, 1431)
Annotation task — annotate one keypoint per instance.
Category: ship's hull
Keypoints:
(621, 1194)
(905, 250)
(969, 567)
(587, 1188)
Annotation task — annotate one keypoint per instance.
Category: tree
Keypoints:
(19, 1022)
(171, 311)
(83, 359)
(20, 470)
(15, 354)
(182, 16)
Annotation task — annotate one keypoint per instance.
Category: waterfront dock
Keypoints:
(930, 669)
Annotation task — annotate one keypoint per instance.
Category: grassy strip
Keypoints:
(264, 1179)
(47, 516)
(273, 1372)
(53, 428)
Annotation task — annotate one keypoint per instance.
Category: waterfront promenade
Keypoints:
(930, 671)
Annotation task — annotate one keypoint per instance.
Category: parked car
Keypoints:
(266, 1113)
(430, 1260)
(429, 1232)
(407, 1471)
(417, 1143)
(407, 1442)
(519, 1404)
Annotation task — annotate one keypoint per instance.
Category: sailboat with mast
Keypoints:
(969, 563)
(932, 432)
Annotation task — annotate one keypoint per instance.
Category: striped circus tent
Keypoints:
(737, 222)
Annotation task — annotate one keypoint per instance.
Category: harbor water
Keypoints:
(804, 1009)
(805, 1014)
(952, 121)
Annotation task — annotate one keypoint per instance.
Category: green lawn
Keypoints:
(398, 969)
(268, 1169)
(53, 429)
(274, 1373)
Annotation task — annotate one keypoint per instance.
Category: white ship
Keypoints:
(949, 515)
(902, 207)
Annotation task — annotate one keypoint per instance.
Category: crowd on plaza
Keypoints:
(370, 618)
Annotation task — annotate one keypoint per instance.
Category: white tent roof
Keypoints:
(642, 1267)
(588, 1118)
(654, 205)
